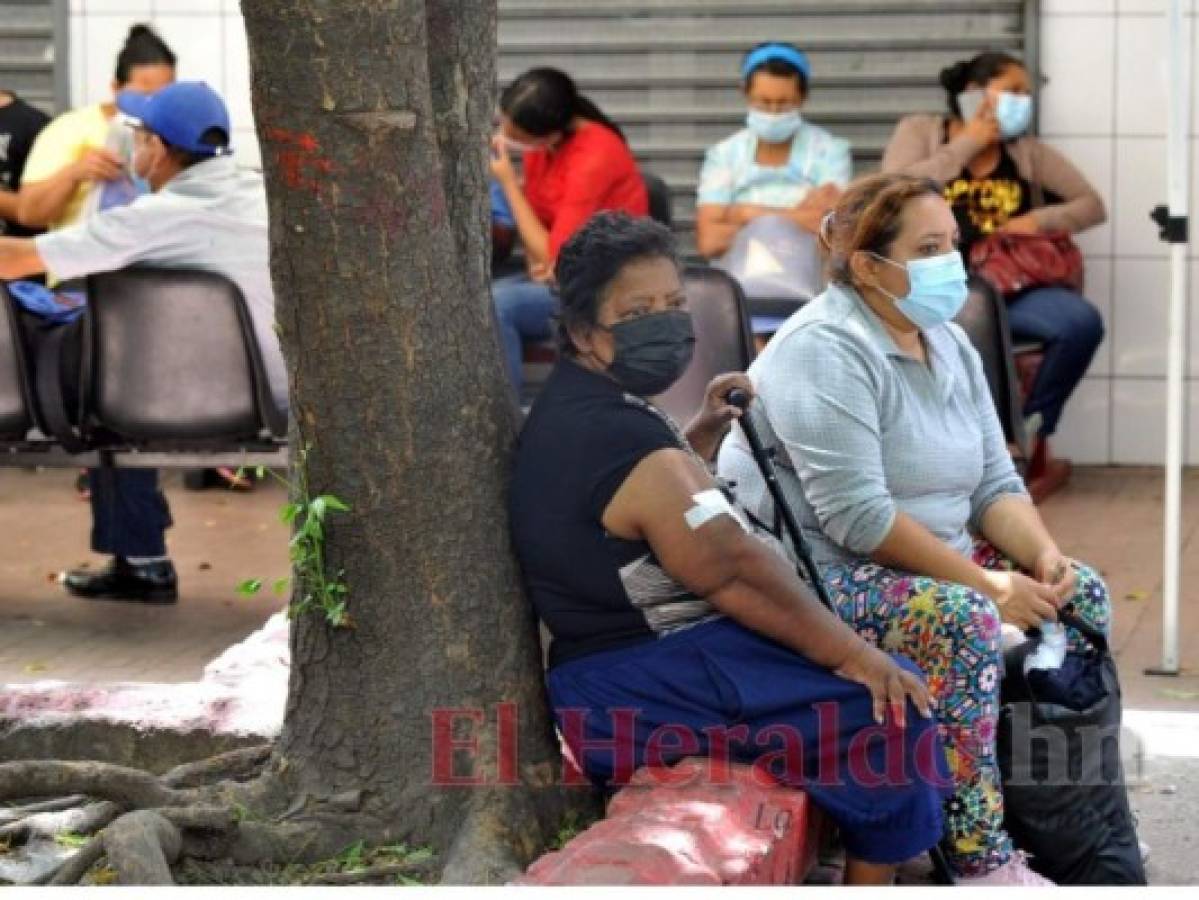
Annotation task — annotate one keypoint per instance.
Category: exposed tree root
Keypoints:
(15, 813)
(86, 819)
(235, 765)
(374, 875)
(76, 867)
(147, 823)
(492, 840)
(128, 787)
(141, 846)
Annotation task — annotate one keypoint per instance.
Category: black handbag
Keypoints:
(1059, 754)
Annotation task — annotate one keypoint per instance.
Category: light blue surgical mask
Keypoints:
(936, 288)
(773, 128)
(1013, 112)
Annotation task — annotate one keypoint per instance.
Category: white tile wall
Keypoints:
(1192, 434)
(1105, 108)
(1084, 433)
(1138, 417)
(207, 35)
(1140, 185)
(1074, 7)
(199, 42)
(1134, 7)
(1099, 290)
(1141, 102)
(236, 71)
(1071, 45)
(1141, 303)
(1193, 322)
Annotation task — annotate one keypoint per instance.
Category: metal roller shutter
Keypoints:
(666, 70)
(33, 51)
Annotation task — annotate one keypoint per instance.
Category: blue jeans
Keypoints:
(1071, 329)
(524, 309)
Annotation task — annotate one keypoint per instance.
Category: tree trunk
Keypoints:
(373, 117)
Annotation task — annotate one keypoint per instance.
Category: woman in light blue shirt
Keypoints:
(778, 165)
(894, 459)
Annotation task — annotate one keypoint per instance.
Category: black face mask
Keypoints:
(651, 352)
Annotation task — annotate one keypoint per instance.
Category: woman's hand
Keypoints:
(1023, 601)
(717, 412)
(823, 197)
(502, 169)
(97, 165)
(706, 430)
(541, 272)
(810, 212)
(1025, 224)
(1058, 572)
(890, 684)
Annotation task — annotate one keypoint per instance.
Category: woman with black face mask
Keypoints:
(677, 630)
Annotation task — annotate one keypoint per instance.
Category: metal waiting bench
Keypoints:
(170, 376)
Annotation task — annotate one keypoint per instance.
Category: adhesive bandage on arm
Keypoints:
(708, 505)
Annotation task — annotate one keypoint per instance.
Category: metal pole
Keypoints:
(1174, 231)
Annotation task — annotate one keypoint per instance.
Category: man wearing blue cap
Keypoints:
(203, 213)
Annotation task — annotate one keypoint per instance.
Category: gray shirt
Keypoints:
(211, 216)
(865, 432)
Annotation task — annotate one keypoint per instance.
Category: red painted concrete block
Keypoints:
(688, 825)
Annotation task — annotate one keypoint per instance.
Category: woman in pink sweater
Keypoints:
(997, 177)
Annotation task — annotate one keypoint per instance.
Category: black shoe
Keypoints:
(150, 583)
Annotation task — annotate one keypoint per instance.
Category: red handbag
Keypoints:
(1014, 263)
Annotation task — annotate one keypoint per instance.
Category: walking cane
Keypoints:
(763, 457)
(740, 399)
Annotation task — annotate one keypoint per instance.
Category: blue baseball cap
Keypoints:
(180, 114)
(783, 53)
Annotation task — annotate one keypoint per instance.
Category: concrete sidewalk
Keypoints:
(219, 539)
(1111, 518)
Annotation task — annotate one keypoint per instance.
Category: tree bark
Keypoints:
(373, 117)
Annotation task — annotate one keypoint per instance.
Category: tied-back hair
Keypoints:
(868, 218)
(542, 101)
(978, 70)
(143, 47)
(594, 256)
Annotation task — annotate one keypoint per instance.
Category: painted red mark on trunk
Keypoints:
(301, 163)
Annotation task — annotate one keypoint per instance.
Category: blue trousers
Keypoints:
(524, 309)
(130, 514)
(718, 689)
(1071, 329)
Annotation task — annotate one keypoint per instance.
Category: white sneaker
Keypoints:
(1014, 872)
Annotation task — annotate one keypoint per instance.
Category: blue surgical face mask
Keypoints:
(1013, 112)
(936, 289)
(773, 128)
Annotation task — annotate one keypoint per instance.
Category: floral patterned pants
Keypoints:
(953, 633)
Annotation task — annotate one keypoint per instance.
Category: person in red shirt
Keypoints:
(575, 163)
